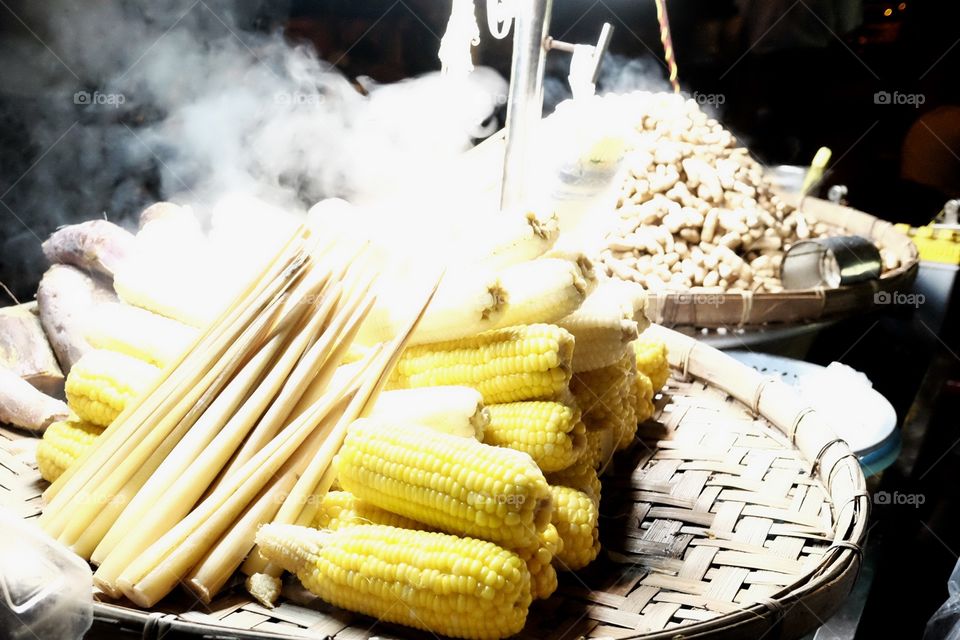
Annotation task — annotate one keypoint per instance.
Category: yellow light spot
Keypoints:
(888, 12)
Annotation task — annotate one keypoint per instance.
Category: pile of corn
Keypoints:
(516, 463)
(476, 475)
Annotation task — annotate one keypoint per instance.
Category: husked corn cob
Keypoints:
(343, 509)
(652, 360)
(539, 560)
(455, 410)
(603, 327)
(633, 297)
(454, 484)
(580, 476)
(139, 333)
(628, 398)
(576, 517)
(542, 290)
(173, 295)
(529, 362)
(102, 382)
(602, 441)
(62, 444)
(458, 587)
(604, 396)
(467, 302)
(513, 237)
(550, 432)
(643, 397)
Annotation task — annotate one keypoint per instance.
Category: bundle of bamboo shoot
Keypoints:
(237, 431)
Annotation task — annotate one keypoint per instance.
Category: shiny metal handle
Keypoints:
(525, 100)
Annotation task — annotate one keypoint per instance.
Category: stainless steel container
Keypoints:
(830, 262)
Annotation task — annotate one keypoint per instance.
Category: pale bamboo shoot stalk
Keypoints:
(229, 414)
(168, 403)
(214, 570)
(181, 479)
(340, 332)
(297, 507)
(156, 571)
(208, 577)
(170, 429)
(183, 484)
(201, 350)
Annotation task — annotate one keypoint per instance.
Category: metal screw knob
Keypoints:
(837, 193)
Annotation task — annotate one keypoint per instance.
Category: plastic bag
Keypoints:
(945, 623)
(46, 592)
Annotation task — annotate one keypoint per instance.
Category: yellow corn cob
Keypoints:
(651, 357)
(454, 484)
(467, 302)
(600, 447)
(603, 327)
(581, 476)
(455, 410)
(542, 290)
(604, 396)
(550, 432)
(62, 444)
(139, 333)
(174, 295)
(529, 362)
(628, 399)
(340, 509)
(576, 517)
(458, 587)
(539, 560)
(511, 238)
(643, 397)
(633, 297)
(102, 382)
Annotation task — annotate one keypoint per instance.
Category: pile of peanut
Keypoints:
(696, 212)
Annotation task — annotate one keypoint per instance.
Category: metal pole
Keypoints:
(525, 100)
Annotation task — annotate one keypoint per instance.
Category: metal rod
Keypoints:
(525, 99)
(603, 43)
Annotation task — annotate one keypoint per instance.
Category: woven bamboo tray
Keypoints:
(738, 513)
(751, 310)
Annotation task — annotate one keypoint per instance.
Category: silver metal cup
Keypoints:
(830, 262)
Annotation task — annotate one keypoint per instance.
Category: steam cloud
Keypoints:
(180, 100)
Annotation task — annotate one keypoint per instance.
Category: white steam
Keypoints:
(218, 110)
